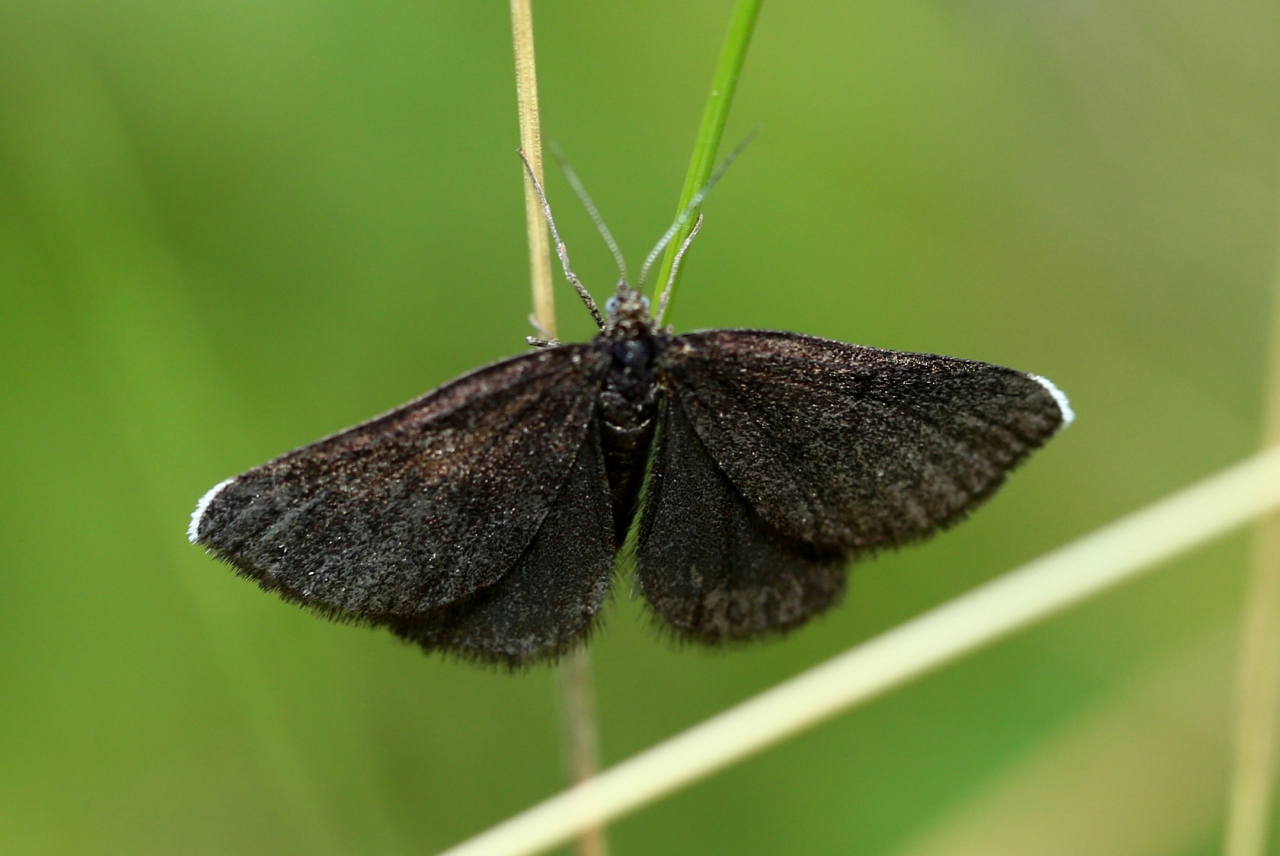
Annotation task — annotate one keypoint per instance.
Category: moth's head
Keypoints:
(627, 311)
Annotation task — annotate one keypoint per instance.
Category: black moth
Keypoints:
(485, 518)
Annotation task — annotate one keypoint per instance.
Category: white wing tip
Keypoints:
(193, 530)
(1060, 398)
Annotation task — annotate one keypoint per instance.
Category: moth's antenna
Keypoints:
(675, 267)
(560, 248)
(594, 212)
(692, 206)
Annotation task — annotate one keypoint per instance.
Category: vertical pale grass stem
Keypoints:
(544, 305)
(1090, 565)
(1258, 666)
(577, 703)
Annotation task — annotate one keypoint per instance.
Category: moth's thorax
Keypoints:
(633, 342)
(628, 400)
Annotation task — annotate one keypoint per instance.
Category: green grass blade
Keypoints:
(732, 56)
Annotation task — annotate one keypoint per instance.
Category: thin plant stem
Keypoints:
(714, 116)
(577, 715)
(1114, 554)
(577, 702)
(1258, 660)
(544, 305)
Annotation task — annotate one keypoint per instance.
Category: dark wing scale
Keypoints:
(548, 600)
(853, 448)
(417, 508)
(708, 564)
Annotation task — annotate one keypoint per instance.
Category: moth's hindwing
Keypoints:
(707, 563)
(549, 599)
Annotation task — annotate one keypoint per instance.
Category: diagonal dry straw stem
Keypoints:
(1031, 593)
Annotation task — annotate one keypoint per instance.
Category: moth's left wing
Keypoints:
(853, 448)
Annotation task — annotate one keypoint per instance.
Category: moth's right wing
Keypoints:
(779, 455)
(419, 508)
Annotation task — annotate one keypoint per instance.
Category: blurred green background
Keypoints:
(228, 228)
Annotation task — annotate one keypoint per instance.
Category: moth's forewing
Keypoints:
(706, 563)
(854, 448)
(547, 601)
(417, 508)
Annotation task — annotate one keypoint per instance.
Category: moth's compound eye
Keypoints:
(611, 305)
